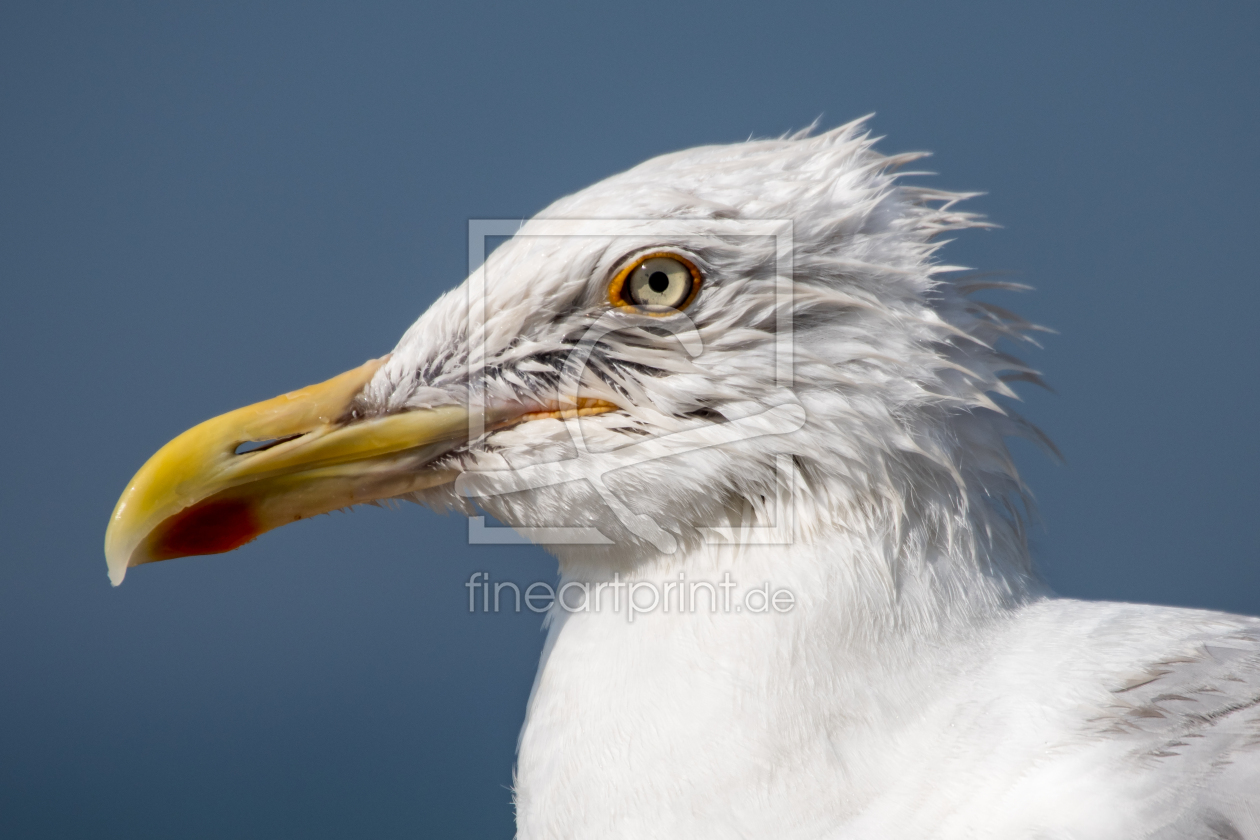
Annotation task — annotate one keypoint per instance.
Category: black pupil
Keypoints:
(658, 282)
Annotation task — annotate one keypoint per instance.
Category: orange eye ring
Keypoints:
(617, 290)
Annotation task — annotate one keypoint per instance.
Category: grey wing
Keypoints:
(1194, 723)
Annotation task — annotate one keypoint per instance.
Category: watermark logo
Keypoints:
(629, 597)
(594, 467)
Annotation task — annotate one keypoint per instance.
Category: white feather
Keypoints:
(925, 684)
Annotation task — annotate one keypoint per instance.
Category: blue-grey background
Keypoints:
(203, 205)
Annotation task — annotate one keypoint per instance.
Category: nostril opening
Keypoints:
(260, 445)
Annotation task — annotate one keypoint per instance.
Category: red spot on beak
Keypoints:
(210, 527)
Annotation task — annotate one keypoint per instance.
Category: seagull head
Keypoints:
(656, 361)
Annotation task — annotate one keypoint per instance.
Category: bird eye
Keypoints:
(657, 283)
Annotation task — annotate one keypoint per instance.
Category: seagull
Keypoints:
(763, 429)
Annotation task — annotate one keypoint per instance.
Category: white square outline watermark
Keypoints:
(783, 419)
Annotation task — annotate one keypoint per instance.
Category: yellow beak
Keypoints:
(197, 495)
